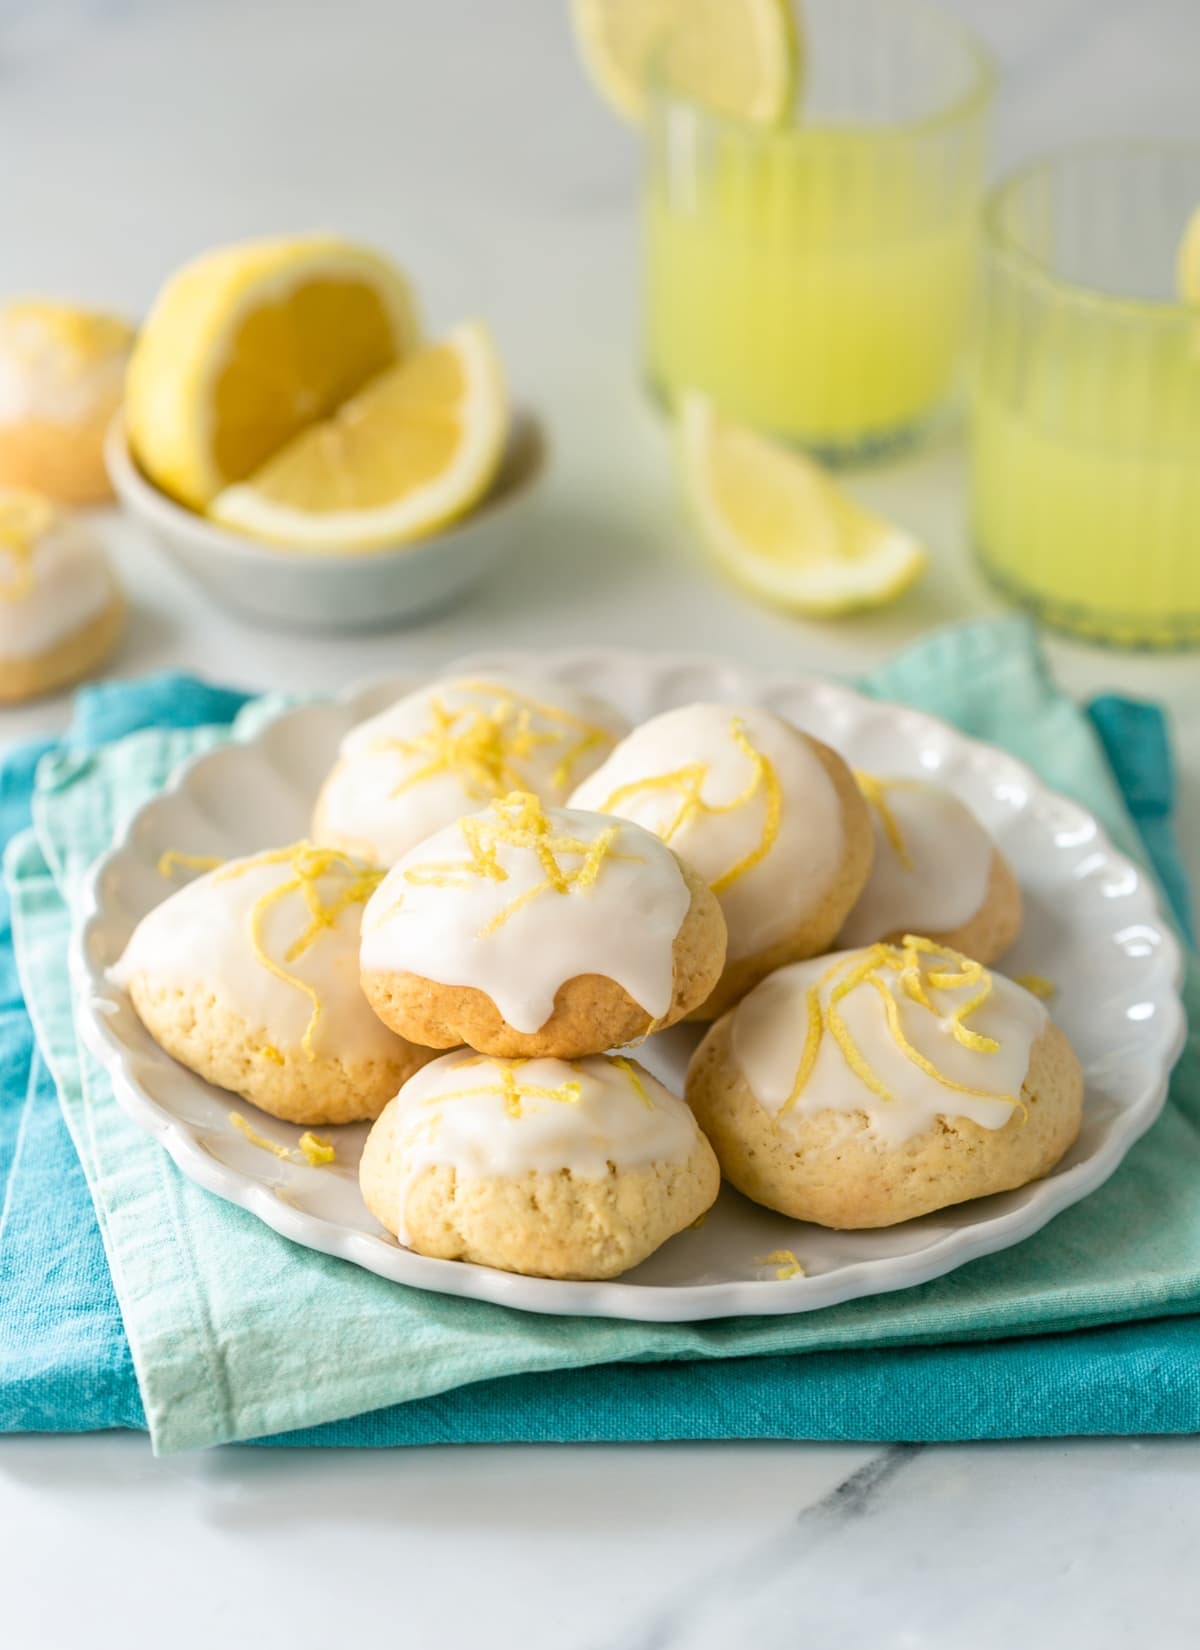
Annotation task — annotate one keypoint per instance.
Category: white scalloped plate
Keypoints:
(1092, 925)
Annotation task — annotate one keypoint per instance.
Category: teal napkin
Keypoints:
(237, 1334)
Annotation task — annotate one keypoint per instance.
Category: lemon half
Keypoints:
(410, 453)
(248, 344)
(778, 523)
(737, 57)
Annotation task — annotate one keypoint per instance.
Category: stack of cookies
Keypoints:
(501, 869)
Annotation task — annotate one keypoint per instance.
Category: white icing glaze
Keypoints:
(459, 1112)
(51, 590)
(43, 378)
(944, 882)
(623, 925)
(377, 796)
(766, 903)
(200, 940)
(770, 1030)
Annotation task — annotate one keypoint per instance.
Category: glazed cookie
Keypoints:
(450, 749)
(60, 608)
(936, 871)
(61, 376)
(552, 1168)
(249, 977)
(771, 819)
(876, 1085)
(524, 930)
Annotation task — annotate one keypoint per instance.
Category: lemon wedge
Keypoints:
(1188, 268)
(778, 523)
(737, 57)
(247, 344)
(411, 452)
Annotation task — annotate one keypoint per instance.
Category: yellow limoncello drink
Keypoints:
(816, 284)
(1085, 442)
(1087, 498)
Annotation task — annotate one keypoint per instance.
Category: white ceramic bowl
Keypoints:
(1092, 926)
(362, 590)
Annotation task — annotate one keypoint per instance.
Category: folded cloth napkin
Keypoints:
(235, 1333)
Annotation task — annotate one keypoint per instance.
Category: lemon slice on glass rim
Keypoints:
(410, 453)
(778, 523)
(737, 57)
(1187, 274)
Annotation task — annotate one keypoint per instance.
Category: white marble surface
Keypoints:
(459, 134)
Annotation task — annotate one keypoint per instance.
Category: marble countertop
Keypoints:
(461, 136)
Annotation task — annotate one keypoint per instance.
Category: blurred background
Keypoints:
(463, 138)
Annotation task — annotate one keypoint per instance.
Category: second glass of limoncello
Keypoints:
(1085, 449)
(815, 276)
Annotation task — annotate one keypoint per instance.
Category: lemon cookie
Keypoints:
(60, 608)
(936, 871)
(872, 1086)
(553, 1168)
(771, 819)
(249, 976)
(525, 930)
(61, 376)
(450, 749)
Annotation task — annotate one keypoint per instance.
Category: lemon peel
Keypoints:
(1037, 986)
(259, 1140)
(512, 1091)
(520, 821)
(913, 967)
(314, 1150)
(317, 1150)
(482, 744)
(173, 860)
(785, 1263)
(309, 863)
(689, 781)
(875, 791)
(635, 1081)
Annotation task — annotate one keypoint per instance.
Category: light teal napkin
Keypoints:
(236, 1333)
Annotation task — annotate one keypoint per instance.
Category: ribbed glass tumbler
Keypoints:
(1086, 400)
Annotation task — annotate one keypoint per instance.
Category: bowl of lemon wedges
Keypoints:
(290, 438)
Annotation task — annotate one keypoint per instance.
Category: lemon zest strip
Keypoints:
(173, 860)
(689, 782)
(631, 1071)
(317, 1150)
(1038, 986)
(314, 1148)
(512, 1091)
(520, 821)
(309, 863)
(483, 743)
(950, 970)
(874, 790)
(260, 1140)
(785, 1263)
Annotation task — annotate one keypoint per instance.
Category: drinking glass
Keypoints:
(816, 277)
(1086, 400)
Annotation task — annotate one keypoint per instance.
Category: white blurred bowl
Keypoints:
(353, 591)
